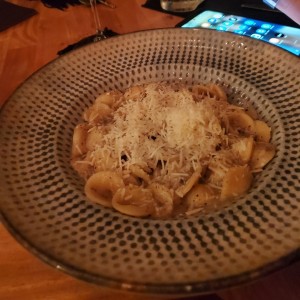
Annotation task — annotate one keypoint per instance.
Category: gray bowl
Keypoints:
(42, 200)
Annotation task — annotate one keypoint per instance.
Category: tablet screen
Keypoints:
(282, 36)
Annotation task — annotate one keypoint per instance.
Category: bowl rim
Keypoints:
(187, 288)
(233, 36)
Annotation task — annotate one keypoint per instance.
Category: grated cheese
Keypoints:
(166, 127)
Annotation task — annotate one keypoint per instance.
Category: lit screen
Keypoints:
(285, 37)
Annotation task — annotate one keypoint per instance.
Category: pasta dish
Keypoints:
(165, 149)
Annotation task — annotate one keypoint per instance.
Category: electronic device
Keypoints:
(285, 37)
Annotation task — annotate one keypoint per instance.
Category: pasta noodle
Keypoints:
(165, 149)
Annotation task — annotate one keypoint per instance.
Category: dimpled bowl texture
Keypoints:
(42, 198)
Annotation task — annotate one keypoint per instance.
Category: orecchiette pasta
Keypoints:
(133, 201)
(97, 113)
(163, 199)
(200, 195)
(163, 149)
(262, 154)
(79, 140)
(185, 188)
(101, 187)
(240, 123)
(243, 147)
(237, 181)
(262, 131)
(109, 99)
(94, 138)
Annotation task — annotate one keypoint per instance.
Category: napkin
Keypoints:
(11, 14)
(87, 40)
(60, 4)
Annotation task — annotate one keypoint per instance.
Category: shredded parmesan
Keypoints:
(165, 126)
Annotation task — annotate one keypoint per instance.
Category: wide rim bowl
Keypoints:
(42, 202)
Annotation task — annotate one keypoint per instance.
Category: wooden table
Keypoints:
(24, 49)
